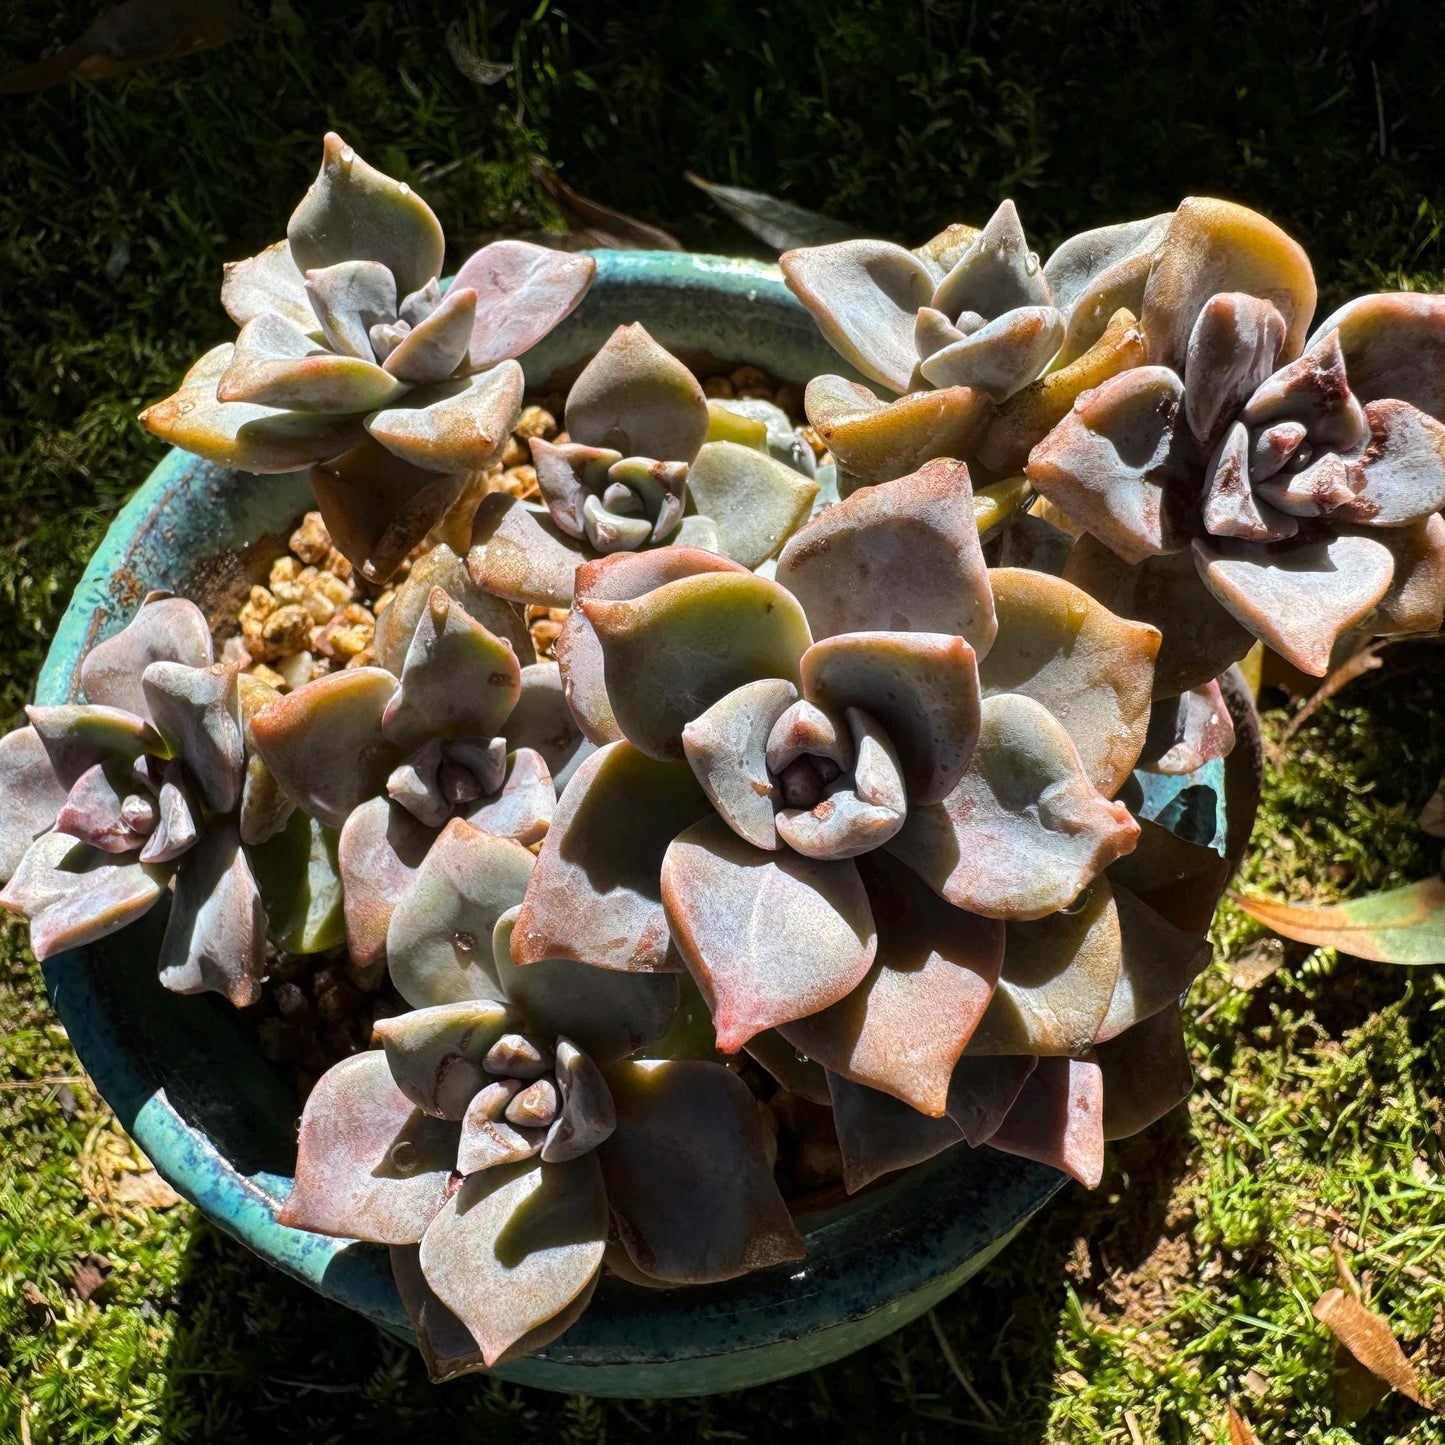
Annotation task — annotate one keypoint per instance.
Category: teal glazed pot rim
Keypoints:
(190, 1084)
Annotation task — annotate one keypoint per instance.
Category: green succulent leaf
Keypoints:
(453, 426)
(77, 736)
(299, 876)
(520, 554)
(267, 282)
(542, 722)
(277, 364)
(756, 501)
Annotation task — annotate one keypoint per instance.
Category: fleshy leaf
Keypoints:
(638, 399)
(197, 710)
(267, 281)
(33, 795)
(265, 806)
(458, 679)
(672, 653)
(902, 1029)
(523, 291)
(794, 1072)
(768, 936)
(1146, 1072)
(1401, 925)
(299, 879)
(1091, 669)
(595, 895)
(619, 577)
(380, 848)
(524, 806)
(276, 364)
(688, 1174)
(379, 507)
(433, 349)
(348, 299)
(756, 501)
(324, 741)
(904, 557)
(587, 1115)
(76, 736)
(215, 938)
(519, 553)
(878, 441)
(878, 1134)
(454, 426)
(369, 1164)
(72, 895)
(1158, 962)
(439, 941)
(1058, 1119)
(1401, 476)
(94, 810)
(1393, 346)
(1024, 831)
(1059, 975)
(610, 1014)
(1213, 246)
(1234, 346)
(165, 629)
(1188, 731)
(1110, 465)
(1179, 880)
(541, 720)
(983, 1090)
(489, 1139)
(353, 212)
(1416, 599)
(1001, 357)
(1298, 597)
(920, 687)
(435, 1054)
(864, 295)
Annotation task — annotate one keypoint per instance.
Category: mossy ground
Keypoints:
(1135, 1313)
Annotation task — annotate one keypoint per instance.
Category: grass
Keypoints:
(1187, 1279)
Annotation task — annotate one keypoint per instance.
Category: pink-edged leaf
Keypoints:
(1058, 1119)
(198, 712)
(542, 722)
(380, 849)
(453, 426)
(1188, 731)
(983, 1090)
(519, 553)
(1178, 879)
(878, 1134)
(523, 291)
(165, 629)
(1157, 964)
(435, 1054)
(31, 796)
(1393, 346)
(524, 807)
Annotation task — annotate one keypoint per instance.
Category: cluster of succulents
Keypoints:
(829, 790)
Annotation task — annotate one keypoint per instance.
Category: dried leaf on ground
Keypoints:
(779, 224)
(146, 1190)
(1365, 1342)
(1240, 1432)
(91, 1272)
(1401, 925)
(601, 224)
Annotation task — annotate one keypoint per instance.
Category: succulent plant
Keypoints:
(1299, 479)
(352, 360)
(521, 1115)
(149, 785)
(646, 464)
(868, 805)
(448, 724)
(964, 329)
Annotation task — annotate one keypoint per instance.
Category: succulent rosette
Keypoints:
(869, 805)
(964, 329)
(646, 464)
(352, 360)
(148, 787)
(1249, 482)
(520, 1118)
(448, 724)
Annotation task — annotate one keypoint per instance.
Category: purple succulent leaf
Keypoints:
(435, 1054)
(437, 345)
(197, 710)
(769, 937)
(458, 679)
(1002, 357)
(244, 435)
(379, 507)
(489, 1138)
(879, 1134)
(756, 501)
(1024, 831)
(1188, 731)
(354, 212)
(215, 938)
(865, 296)
(1093, 670)
(1234, 347)
(879, 441)
(369, 1164)
(446, 1345)
(1111, 464)
(727, 749)
(1299, 597)
(1179, 880)
(95, 810)
(267, 281)
(1212, 246)
(520, 554)
(72, 895)
(1146, 1072)
(996, 273)
(792, 1071)
(524, 805)
(439, 940)
(76, 736)
(638, 399)
(904, 557)
(515, 1247)
(1400, 477)
(921, 688)
(623, 576)
(348, 299)
(672, 653)
(1315, 392)
(177, 813)
(1416, 599)
(441, 567)
(983, 1090)
(324, 742)
(595, 895)
(689, 1174)
(164, 629)
(1394, 346)
(380, 849)
(541, 720)
(609, 1014)
(31, 795)
(1231, 506)
(1198, 638)
(1058, 1119)
(523, 291)
(567, 474)
(1059, 975)
(453, 426)
(903, 1028)
(587, 1116)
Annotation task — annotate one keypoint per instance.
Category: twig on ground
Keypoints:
(959, 1373)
